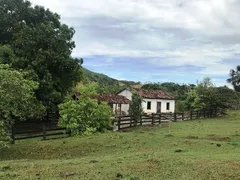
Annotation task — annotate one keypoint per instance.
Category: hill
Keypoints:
(104, 80)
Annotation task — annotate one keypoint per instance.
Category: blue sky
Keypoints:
(155, 40)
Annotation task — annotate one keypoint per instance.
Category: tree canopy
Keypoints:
(178, 90)
(42, 45)
(235, 78)
(207, 96)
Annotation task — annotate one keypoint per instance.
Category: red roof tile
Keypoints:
(113, 99)
(110, 98)
(154, 94)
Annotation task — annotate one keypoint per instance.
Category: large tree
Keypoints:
(235, 78)
(43, 46)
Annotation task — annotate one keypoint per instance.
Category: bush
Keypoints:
(17, 99)
(85, 115)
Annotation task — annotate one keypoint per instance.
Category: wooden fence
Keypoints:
(123, 122)
(33, 129)
(49, 128)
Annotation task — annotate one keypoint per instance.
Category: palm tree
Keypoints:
(235, 78)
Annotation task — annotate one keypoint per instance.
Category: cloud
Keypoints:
(200, 36)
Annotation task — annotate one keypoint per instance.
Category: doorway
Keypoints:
(159, 104)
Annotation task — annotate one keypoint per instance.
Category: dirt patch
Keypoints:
(67, 174)
(236, 133)
(168, 135)
(192, 137)
(153, 164)
(36, 172)
(218, 138)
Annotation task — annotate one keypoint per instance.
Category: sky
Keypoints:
(178, 41)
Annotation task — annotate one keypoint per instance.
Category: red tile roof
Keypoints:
(109, 98)
(113, 99)
(154, 94)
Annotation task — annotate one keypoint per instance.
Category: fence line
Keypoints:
(28, 130)
(48, 129)
(124, 122)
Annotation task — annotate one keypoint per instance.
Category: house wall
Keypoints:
(124, 107)
(128, 94)
(154, 105)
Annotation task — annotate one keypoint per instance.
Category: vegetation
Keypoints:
(202, 149)
(180, 91)
(204, 95)
(18, 100)
(42, 46)
(135, 107)
(101, 79)
(235, 78)
(106, 84)
(85, 115)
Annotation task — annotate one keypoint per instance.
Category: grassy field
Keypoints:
(199, 149)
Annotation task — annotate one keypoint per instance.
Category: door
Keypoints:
(159, 107)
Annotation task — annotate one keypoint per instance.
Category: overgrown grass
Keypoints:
(199, 149)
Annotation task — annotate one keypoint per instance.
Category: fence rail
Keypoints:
(124, 122)
(28, 130)
(49, 129)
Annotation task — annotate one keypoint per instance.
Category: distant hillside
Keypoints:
(104, 80)
(101, 79)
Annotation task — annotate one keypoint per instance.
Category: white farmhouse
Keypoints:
(154, 101)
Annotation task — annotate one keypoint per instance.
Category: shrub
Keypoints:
(85, 115)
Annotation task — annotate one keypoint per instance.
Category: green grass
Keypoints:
(141, 153)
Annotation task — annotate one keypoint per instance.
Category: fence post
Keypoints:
(152, 118)
(204, 113)
(118, 123)
(175, 117)
(13, 128)
(183, 116)
(140, 120)
(160, 118)
(197, 114)
(191, 115)
(44, 131)
(131, 117)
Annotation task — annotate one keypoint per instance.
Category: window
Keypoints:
(149, 105)
(168, 106)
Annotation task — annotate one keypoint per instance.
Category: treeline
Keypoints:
(203, 95)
